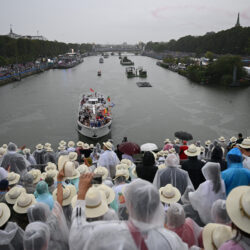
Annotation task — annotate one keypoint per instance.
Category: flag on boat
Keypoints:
(108, 98)
(111, 105)
(91, 90)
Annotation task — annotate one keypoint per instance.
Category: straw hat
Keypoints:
(69, 171)
(2, 151)
(79, 144)
(233, 139)
(95, 203)
(169, 194)
(39, 146)
(245, 143)
(72, 156)
(161, 166)
(122, 172)
(109, 192)
(50, 166)
(47, 145)
(102, 171)
(167, 141)
(71, 144)
(202, 149)
(13, 194)
(13, 178)
(83, 169)
(51, 173)
(5, 146)
(238, 207)
(127, 162)
(26, 151)
(62, 143)
(36, 175)
(121, 166)
(192, 150)
(134, 172)
(61, 147)
(172, 151)
(91, 146)
(222, 139)
(23, 202)
(108, 145)
(69, 192)
(4, 213)
(208, 142)
(214, 235)
(49, 149)
(85, 146)
(177, 141)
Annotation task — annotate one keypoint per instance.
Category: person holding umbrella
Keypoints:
(129, 149)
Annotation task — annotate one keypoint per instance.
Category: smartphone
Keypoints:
(97, 179)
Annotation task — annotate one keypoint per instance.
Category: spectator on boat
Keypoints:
(176, 145)
(108, 159)
(183, 147)
(193, 165)
(13, 161)
(39, 154)
(168, 145)
(147, 169)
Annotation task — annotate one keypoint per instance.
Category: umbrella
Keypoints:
(148, 147)
(183, 135)
(129, 148)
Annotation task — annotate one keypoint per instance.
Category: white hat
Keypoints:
(222, 139)
(208, 142)
(5, 146)
(36, 175)
(49, 149)
(83, 169)
(50, 173)
(122, 172)
(39, 146)
(72, 156)
(23, 202)
(108, 191)
(95, 203)
(245, 143)
(85, 146)
(79, 144)
(102, 171)
(61, 147)
(202, 149)
(108, 145)
(13, 194)
(13, 178)
(62, 143)
(26, 151)
(127, 162)
(233, 139)
(177, 141)
(4, 213)
(69, 192)
(161, 166)
(169, 194)
(214, 235)
(172, 151)
(91, 146)
(192, 150)
(71, 144)
(238, 207)
(167, 141)
(121, 166)
(50, 166)
(47, 145)
(70, 171)
(2, 151)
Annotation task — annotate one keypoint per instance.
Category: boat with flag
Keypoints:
(94, 115)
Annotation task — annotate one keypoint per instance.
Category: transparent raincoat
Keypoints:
(219, 212)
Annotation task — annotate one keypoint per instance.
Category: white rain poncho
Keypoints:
(11, 237)
(15, 160)
(172, 174)
(28, 183)
(59, 232)
(30, 158)
(36, 236)
(209, 191)
(146, 214)
(186, 228)
(219, 212)
(109, 160)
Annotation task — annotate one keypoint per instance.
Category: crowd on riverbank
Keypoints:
(82, 196)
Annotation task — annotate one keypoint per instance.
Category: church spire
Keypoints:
(238, 21)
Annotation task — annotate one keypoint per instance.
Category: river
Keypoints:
(43, 108)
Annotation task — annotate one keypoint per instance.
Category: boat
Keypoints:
(69, 60)
(101, 60)
(126, 61)
(106, 55)
(143, 84)
(130, 72)
(141, 72)
(99, 73)
(94, 115)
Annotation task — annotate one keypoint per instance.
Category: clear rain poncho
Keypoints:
(28, 183)
(186, 228)
(36, 236)
(146, 214)
(219, 212)
(172, 174)
(59, 232)
(209, 191)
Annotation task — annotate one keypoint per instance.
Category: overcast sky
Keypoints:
(117, 21)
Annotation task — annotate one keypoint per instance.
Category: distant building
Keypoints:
(238, 21)
(16, 36)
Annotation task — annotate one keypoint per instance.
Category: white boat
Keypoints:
(94, 115)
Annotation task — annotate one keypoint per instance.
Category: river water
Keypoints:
(43, 107)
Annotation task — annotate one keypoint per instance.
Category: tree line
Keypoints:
(234, 41)
(25, 50)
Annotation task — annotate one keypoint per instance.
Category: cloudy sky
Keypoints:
(117, 21)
